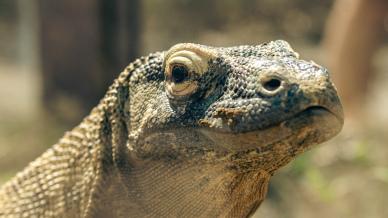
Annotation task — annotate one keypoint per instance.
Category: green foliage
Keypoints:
(381, 174)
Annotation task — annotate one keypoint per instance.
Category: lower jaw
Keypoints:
(317, 120)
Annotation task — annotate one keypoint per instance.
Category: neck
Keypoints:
(62, 181)
(160, 189)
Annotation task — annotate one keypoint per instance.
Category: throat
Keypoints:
(182, 189)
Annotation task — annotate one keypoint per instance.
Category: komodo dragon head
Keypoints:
(195, 131)
(208, 126)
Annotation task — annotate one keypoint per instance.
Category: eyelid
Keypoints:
(181, 90)
(191, 60)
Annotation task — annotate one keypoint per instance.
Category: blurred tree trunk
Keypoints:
(84, 45)
(353, 33)
(119, 30)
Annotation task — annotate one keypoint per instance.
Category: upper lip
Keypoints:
(334, 110)
(331, 104)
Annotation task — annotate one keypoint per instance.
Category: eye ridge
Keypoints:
(179, 73)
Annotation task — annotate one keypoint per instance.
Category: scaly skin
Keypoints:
(195, 131)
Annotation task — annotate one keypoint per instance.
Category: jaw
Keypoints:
(313, 125)
(184, 172)
(262, 147)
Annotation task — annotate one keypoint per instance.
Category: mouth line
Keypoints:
(318, 120)
(308, 113)
(313, 110)
(319, 109)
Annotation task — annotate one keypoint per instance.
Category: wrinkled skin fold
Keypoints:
(195, 131)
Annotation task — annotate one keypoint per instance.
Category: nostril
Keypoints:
(272, 84)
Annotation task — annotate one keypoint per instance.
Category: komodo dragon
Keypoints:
(196, 131)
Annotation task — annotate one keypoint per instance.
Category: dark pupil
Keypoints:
(272, 84)
(179, 74)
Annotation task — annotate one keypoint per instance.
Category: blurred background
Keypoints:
(57, 59)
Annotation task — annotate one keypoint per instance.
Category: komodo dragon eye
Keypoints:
(182, 70)
(179, 82)
(272, 84)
